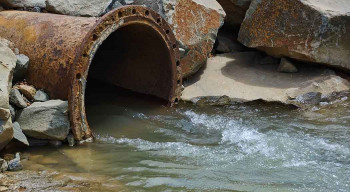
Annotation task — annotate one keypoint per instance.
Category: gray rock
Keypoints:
(71, 140)
(21, 67)
(18, 134)
(45, 120)
(227, 43)
(17, 99)
(3, 165)
(13, 113)
(114, 5)
(7, 64)
(312, 98)
(287, 67)
(15, 164)
(36, 9)
(78, 7)
(41, 96)
(23, 3)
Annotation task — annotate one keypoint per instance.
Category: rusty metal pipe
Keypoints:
(131, 47)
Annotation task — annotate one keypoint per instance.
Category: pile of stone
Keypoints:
(195, 23)
(27, 116)
(306, 60)
(10, 163)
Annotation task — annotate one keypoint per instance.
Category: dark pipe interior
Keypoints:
(136, 58)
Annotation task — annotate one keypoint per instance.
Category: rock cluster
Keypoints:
(26, 114)
(7, 64)
(195, 23)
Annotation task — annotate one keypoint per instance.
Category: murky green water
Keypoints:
(253, 147)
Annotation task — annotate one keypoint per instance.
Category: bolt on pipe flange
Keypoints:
(139, 52)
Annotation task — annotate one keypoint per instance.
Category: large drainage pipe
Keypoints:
(137, 51)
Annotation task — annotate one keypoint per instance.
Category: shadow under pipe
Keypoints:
(131, 47)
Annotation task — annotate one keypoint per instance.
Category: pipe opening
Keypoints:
(134, 57)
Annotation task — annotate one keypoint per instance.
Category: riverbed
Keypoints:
(142, 145)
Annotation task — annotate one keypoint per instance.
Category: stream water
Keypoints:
(145, 146)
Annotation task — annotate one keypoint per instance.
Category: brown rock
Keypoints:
(27, 91)
(195, 24)
(307, 30)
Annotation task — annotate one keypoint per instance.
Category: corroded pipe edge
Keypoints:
(101, 30)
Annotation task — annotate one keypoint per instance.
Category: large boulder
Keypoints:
(235, 12)
(195, 24)
(23, 3)
(45, 120)
(7, 64)
(78, 7)
(308, 30)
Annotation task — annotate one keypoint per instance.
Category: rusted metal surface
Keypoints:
(61, 49)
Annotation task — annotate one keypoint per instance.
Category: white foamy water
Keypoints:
(253, 147)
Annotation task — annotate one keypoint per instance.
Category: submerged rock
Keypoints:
(307, 30)
(242, 78)
(45, 120)
(78, 7)
(195, 24)
(7, 64)
(312, 98)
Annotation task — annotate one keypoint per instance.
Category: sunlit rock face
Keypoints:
(195, 24)
(7, 64)
(307, 30)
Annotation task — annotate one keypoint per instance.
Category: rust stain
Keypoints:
(60, 50)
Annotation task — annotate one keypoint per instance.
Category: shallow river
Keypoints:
(145, 146)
